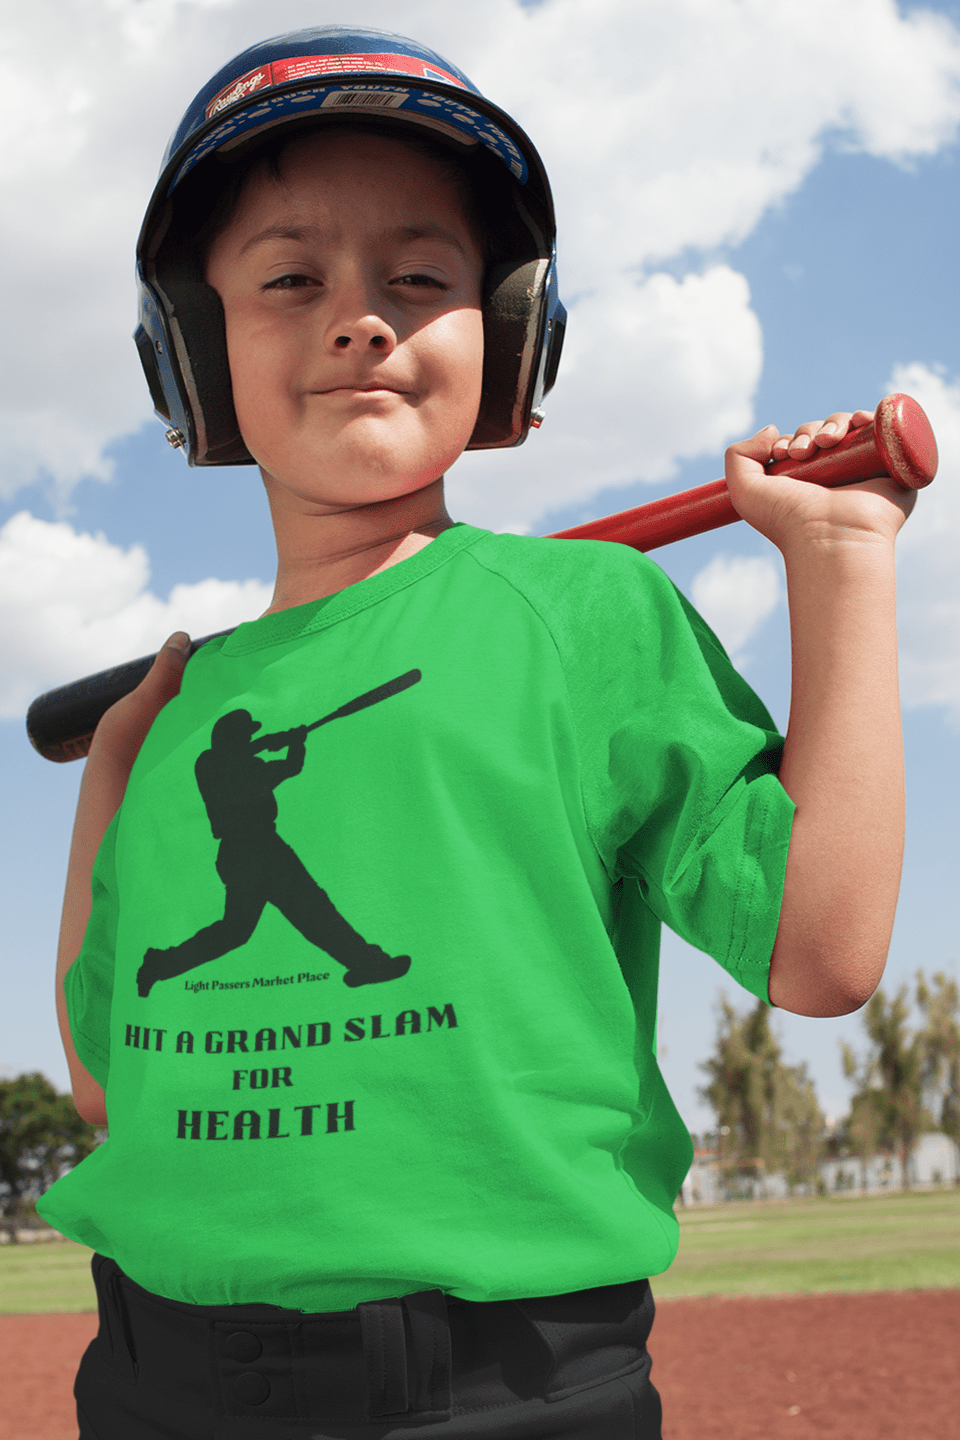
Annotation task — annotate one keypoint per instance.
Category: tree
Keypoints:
(40, 1134)
(863, 1125)
(888, 1103)
(940, 1008)
(767, 1112)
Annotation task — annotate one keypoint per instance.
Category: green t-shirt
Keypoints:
(374, 1005)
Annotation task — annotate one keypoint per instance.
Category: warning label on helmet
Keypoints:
(301, 67)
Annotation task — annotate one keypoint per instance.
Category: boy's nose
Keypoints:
(368, 332)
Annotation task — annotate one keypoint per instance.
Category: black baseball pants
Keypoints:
(560, 1367)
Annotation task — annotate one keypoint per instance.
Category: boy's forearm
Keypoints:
(101, 792)
(114, 749)
(843, 768)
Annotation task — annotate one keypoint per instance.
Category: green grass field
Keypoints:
(884, 1242)
(881, 1242)
(45, 1276)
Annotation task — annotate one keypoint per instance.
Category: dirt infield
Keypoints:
(879, 1366)
(854, 1367)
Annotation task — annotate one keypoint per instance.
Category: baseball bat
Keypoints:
(898, 442)
(369, 697)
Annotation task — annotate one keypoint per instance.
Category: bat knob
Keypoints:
(898, 442)
(905, 441)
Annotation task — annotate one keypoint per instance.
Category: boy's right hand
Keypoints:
(123, 728)
(115, 746)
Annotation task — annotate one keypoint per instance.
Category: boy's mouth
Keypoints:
(376, 389)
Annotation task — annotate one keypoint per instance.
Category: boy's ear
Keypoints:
(514, 316)
(199, 332)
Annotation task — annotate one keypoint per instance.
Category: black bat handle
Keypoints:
(60, 723)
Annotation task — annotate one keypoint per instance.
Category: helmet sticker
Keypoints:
(376, 95)
(427, 106)
(302, 67)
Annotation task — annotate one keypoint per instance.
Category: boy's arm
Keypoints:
(843, 757)
(113, 750)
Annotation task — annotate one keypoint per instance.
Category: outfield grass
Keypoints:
(883, 1242)
(44, 1276)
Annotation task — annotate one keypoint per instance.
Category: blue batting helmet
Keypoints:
(319, 75)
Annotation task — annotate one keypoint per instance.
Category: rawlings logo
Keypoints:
(238, 89)
(301, 67)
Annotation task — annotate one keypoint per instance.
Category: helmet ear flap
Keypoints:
(514, 316)
(198, 329)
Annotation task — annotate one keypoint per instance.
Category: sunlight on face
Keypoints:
(351, 289)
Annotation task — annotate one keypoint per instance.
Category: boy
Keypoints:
(428, 933)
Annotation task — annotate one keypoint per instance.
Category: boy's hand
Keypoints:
(115, 746)
(790, 511)
(123, 728)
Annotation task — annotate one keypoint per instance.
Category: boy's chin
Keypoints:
(369, 459)
(318, 491)
(345, 476)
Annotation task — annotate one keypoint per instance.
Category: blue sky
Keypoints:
(744, 237)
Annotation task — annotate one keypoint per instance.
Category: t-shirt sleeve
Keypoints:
(88, 984)
(680, 765)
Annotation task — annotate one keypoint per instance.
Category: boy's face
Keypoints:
(352, 292)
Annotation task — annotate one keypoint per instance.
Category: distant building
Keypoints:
(935, 1161)
(710, 1181)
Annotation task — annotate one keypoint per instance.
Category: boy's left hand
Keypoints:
(789, 510)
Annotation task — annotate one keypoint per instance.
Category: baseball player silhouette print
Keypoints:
(256, 865)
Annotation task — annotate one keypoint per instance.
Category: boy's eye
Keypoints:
(417, 279)
(289, 282)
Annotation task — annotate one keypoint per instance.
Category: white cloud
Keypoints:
(735, 594)
(664, 127)
(72, 604)
(928, 601)
(676, 125)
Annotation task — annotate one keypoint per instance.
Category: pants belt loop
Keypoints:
(385, 1353)
(552, 1341)
(430, 1333)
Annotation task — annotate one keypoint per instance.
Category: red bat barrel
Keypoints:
(899, 442)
